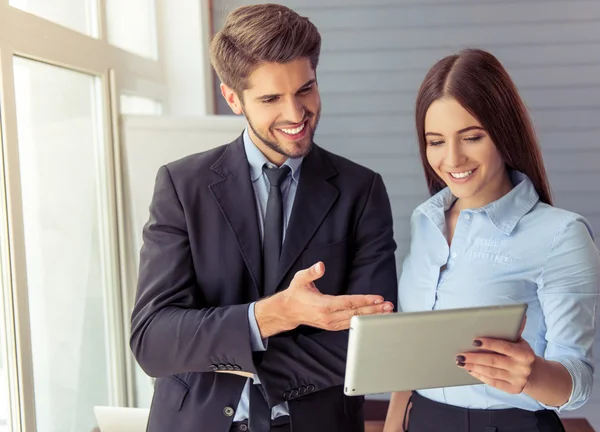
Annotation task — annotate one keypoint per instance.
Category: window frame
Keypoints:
(26, 35)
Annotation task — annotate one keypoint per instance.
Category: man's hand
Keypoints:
(302, 304)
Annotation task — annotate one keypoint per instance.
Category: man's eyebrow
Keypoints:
(274, 95)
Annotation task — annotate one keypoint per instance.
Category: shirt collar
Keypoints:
(505, 213)
(256, 160)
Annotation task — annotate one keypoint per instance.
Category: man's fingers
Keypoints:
(340, 320)
(346, 315)
(347, 302)
(306, 276)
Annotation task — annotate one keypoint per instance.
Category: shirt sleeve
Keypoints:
(256, 342)
(569, 294)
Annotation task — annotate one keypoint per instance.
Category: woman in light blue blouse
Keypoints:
(489, 235)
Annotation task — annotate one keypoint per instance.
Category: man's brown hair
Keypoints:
(258, 34)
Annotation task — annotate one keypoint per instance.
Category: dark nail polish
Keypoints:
(460, 364)
(460, 359)
(477, 343)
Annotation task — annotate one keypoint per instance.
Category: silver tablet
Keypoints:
(417, 350)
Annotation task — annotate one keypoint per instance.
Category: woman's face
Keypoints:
(463, 155)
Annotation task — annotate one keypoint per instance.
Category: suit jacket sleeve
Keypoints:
(170, 332)
(314, 360)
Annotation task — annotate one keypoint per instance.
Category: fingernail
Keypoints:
(461, 359)
(378, 301)
(460, 364)
(477, 343)
(317, 267)
(387, 308)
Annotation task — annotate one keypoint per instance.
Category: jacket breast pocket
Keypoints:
(171, 391)
(335, 256)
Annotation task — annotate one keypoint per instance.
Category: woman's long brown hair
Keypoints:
(479, 82)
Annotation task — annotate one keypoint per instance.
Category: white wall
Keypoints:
(376, 53)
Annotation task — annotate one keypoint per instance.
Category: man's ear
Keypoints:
(232, 99)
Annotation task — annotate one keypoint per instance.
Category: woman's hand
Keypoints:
(514, 368)
(504, 365)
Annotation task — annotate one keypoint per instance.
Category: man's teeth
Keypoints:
(462, 174)
(294, 131)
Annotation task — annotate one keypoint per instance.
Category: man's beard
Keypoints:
(277, 147)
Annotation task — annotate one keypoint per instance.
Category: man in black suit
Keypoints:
(257, 253)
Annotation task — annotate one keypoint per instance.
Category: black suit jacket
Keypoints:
(200, 267)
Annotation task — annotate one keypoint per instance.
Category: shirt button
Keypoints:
(454, 255)
(468, 217)
(243, 427)
(228, 411)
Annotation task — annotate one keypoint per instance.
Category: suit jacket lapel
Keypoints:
(314, 198)
(235, 197)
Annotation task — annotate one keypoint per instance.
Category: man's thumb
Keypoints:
(307, 276)
(317, 270)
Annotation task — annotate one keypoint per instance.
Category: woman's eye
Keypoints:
(473, 139)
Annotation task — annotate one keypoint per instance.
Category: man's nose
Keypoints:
(294, 111)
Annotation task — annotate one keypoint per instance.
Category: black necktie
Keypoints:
(273, 230)
(260, 414)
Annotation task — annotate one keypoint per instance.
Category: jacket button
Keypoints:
(243, 427)
(302, 390)
(286, 395)
(228, 411)
(294, 393)
(236, 367)
(310, 388)
(214, 367)
(229, 367)
(222, 367)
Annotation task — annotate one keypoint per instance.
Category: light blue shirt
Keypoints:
(260, 183)
(514, 250)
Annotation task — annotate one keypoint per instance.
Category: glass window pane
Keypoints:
(132, 26)
(4, 401)
(131, 104)
(78, 15)
(60, 136)
(5, 419)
